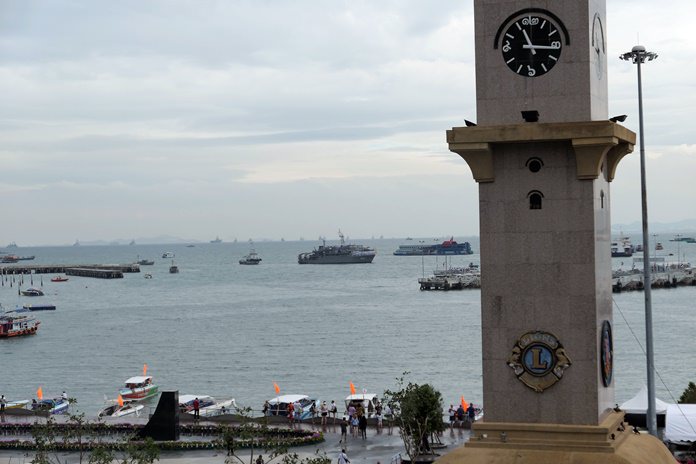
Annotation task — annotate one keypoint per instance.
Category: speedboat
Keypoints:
(59, 279)
(251, 258)
(148, 276)
(368, 401)
(21, 404)
(207, 405)
(32, 292)
(138, 388)
(168, 254)
(119, 410)
(279, 405)
(52, 406)
(146, 262)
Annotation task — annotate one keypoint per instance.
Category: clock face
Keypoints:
(532, 45)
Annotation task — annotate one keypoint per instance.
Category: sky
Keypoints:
(272, 119)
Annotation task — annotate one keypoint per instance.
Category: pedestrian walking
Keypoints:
(460, 415)
(471, 412)
(343, 458)
(362, 425)
(354, 426)
(452, 414)
(344, 430)
(3, 401)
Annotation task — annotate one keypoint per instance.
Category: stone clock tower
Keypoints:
(544, 154)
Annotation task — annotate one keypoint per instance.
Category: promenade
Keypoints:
(383, 447)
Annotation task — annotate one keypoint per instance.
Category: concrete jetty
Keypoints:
(100, 271)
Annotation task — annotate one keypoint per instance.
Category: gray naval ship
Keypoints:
(338, 254)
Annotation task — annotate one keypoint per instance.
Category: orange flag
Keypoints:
(352, 389)
(144, 369)
(120, 400)
(464, 405)
(277, 388)
(39, 393)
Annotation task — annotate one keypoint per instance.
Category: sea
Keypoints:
(230, 331)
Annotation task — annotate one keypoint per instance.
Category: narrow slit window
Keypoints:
(601, 199)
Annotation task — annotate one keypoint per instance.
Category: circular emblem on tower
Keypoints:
(538, 360)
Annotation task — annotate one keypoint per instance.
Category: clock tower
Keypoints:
(544, 154)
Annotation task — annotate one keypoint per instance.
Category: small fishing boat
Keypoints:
(26, 258)
(32, 292)
(148, 276)
(146, 262)
(168, 254)
(10, 259)
(59, 279)
(251, 258)
(207, 405)
(138, 388)
(173, 269)
(659, 246)
(14, 326)
(52, 406)
(119, 409)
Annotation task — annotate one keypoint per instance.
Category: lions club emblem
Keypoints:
(538, 360)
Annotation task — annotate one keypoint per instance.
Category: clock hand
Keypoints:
(529, 42)
(540, 47)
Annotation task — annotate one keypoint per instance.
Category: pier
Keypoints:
(450, 282)
(99, 271)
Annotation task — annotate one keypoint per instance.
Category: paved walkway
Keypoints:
(380, 447)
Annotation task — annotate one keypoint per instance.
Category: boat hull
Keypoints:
(337, 259)
(138, 393)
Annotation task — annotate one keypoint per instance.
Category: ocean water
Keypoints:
(218, 328)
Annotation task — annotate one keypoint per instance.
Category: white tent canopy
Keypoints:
(681, 423)
(639, 404)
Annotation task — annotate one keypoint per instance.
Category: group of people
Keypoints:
(457, 416)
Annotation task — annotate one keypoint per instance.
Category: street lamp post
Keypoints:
(638, 55)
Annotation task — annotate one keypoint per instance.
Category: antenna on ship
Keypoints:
(340, 235)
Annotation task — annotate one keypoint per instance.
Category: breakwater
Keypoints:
(100, 271)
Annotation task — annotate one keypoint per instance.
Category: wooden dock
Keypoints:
(99, 271)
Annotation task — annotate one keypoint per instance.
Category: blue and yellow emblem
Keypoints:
(538, 360)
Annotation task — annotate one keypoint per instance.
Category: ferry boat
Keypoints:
(341, 254)
(448, 247)
(251, 258)
(14, 326)
(622, 248)
(138, 388)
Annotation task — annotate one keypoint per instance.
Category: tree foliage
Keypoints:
(689, 395)
(417, 410)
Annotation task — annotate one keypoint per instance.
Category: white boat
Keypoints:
(53, 406)
(367, 400)
(21, 404)
(251, 258)
(207, 405)
(168, 254)
(116, 410)
(622, 248)
(138, 388)
(278, 406)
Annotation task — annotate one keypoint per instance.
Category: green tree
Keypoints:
(417, 410)
(689, 395)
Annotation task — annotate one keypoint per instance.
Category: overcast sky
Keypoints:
(272, 119)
